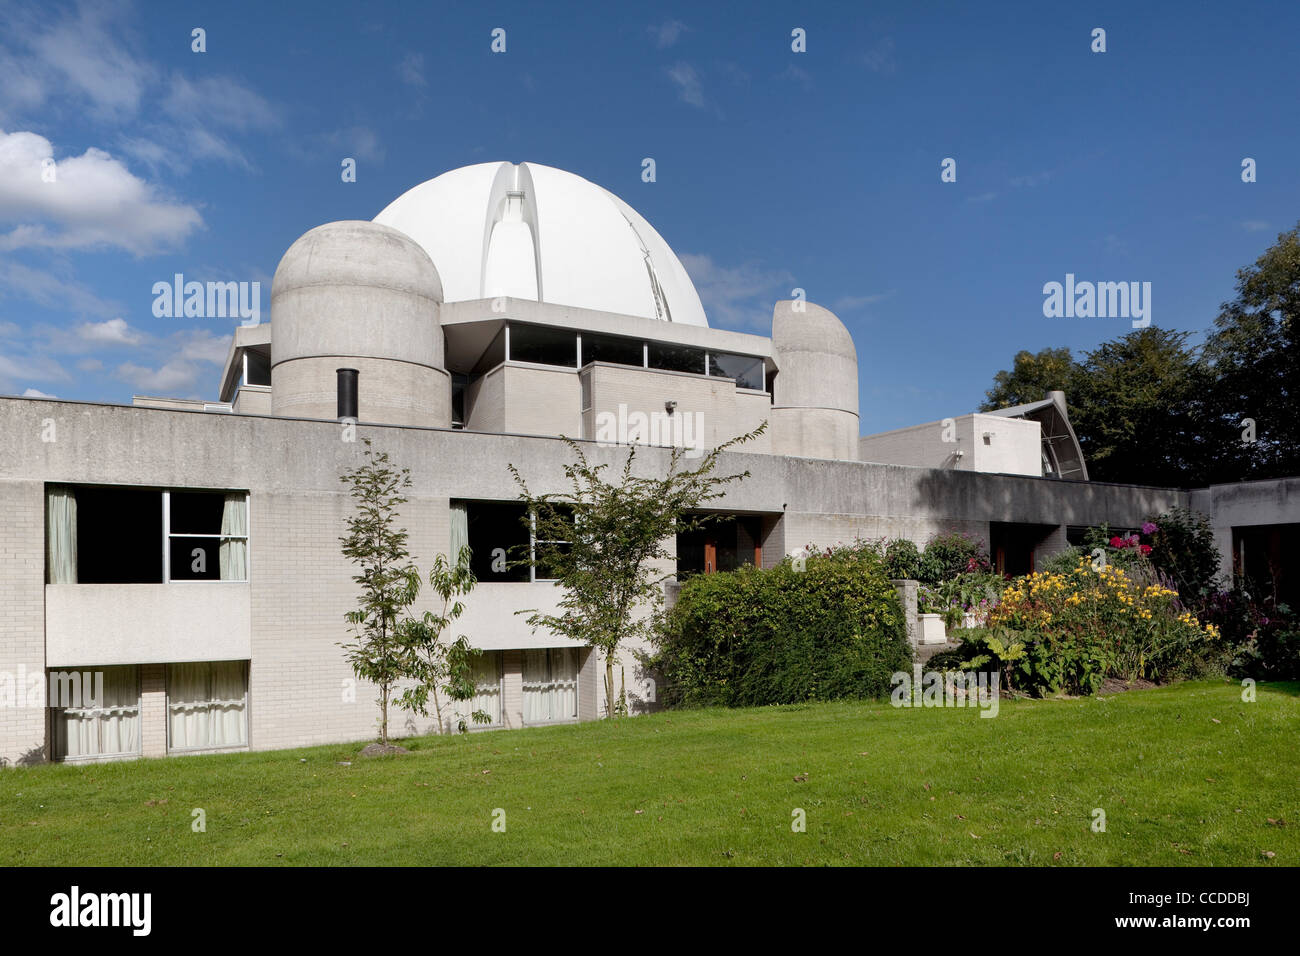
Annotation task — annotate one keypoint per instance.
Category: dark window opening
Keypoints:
(118, 533)
(459, 382)
(498, 537)
(745, 369)
(723, 544)
(543, 346)
(676, 358)
(1262, 558)
(258, 368)
(611, 348)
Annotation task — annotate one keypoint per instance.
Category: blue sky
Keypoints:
(775, 169)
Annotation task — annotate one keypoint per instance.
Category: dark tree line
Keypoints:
(1151, 408)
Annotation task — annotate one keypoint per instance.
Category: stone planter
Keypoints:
(931, 629)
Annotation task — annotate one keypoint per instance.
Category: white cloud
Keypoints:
(36, 393)
(90, 365)
(667, 33)
(82, 57)
(795, 74)
(94, 201)
(1255, 225)
(737, 296)
(112, 332)
(687, 80)
(176, 378)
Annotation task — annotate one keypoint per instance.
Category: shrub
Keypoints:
(902, 559)
(1081, 627)
(1182, 546)
(782, 636)
(951, 554)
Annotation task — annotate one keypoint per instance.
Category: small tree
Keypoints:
(437, 665)
(603, 537)
(389, 583)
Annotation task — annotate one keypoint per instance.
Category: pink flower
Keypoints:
(1117, 542)
(1146, 549)
(1148, 528)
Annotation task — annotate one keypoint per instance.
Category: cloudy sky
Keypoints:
(775, 169)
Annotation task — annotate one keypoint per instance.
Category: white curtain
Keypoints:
(459, 529)
(206, 705)
(487, 696)
(61, 536)
(234, 551)
(106, 727)
(550, 679)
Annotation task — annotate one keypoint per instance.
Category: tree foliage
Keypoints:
(613, 533)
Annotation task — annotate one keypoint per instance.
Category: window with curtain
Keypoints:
(550, 681)
(459, 537)
(207, 535)
(207, 705)
(108, 724)
(487, 697)
(60, 535)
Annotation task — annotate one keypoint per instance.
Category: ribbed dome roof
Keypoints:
(534, 232)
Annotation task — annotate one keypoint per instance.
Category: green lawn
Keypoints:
(1187, 774)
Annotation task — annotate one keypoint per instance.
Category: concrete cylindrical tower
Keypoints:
(815, 396)
(359, 295)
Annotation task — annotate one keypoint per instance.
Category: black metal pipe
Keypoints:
(347, 403)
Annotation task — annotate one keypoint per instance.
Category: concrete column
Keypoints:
(512, 688)
(589, 678)
(153, 710)
(907, 597)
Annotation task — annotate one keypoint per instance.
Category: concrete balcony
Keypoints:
(104, 624)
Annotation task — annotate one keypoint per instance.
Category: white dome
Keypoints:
(534, 232)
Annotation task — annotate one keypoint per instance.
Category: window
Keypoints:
(207, 705)
(676, 358)
(745, 369)
(257, 368)
(501, 538)
(545, 547)
(96, 712)
(97, 535)
(487, 697)
(498, 536)
(207, 536)
(550, 685)
(612, 348)
(543, 346)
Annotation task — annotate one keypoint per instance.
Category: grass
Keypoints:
(1187, 775)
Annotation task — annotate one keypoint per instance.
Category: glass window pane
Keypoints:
(119, 536)
(612, 348)
(533, 343)
(498, 536)
(745, 369)
(97, 712)
(195, 559)
(197, 512)
(259, 368)
(676, 358)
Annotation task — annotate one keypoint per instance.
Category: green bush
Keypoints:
(951, 554)
(782, 636)
(1183, 547)
(902, 559)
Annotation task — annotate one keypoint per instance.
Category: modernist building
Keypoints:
(188, 552)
